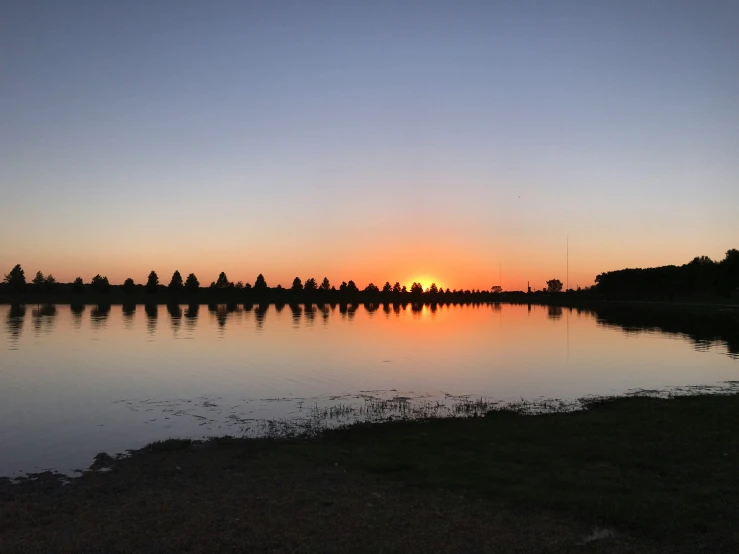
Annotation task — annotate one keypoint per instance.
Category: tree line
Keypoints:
(15, 282)
(702, 276)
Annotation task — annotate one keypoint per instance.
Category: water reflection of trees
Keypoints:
(175, 316)
(77, 311)
(310, 313)
(703, 328)
(222, 312)
(554, 312)
(99, 316)
(14, 325)
(297, 312)
(324, 309)
(260, 314)
(191, 316)
(43, 318)
(152, 313)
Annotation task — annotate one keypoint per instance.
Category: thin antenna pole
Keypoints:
(567, 286)
(500, 274)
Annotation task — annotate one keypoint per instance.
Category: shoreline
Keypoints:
(204, 299)
(651, 474)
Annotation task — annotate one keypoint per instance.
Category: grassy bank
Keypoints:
(626, 475)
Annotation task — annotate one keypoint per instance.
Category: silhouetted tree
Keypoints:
(396, 287)
(129, 286)
(403, 289)
(433, 290)
(247, 286)
(50, 283)
(496, 289)
(371, 288)
(260, 284)
(351, 287)
(152, 283)
(325, 285)
(387, 288)
(554, 285)
(16, 279)
(343, 286)
(176, 284)
(416, 288)
(239, 285)
(78, 285)
(297, 284)
(310, 284)
(39, 280)
(192, 285)
(223, 282)
(100, 284)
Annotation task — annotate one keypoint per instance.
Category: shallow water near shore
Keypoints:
(76, 380)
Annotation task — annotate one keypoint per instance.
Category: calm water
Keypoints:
(75, 382)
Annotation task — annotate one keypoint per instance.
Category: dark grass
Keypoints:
(660, 468)
(661, 474)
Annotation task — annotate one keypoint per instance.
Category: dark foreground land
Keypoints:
(627, 475)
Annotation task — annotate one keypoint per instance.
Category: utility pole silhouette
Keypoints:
(567, 280)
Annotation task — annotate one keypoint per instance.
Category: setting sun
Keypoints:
(425, 281)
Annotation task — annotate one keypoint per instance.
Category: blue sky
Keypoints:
(367, 140)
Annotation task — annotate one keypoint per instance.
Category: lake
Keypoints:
(75, 381)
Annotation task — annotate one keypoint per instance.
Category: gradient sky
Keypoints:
(367, 140)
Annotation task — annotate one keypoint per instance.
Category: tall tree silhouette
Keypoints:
(371, 288)
(343, 286)
(192, 285)
(152, 283)
(129, 286)
(554, 285)
(297, 285)
(78, 285)
(351, 287)
(310, 284)
(260, 284)
(496, 289)
(223, 282)
(100, 284)
(387, 287)
(433, 290)
(39, 279)
(175, 284)
(416, 288)
(396, 287)
(325, 285)
(16, 279)
(50, 283)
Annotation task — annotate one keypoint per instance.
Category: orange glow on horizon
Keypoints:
(425, 281)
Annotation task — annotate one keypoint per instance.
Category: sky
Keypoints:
(465, 143)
